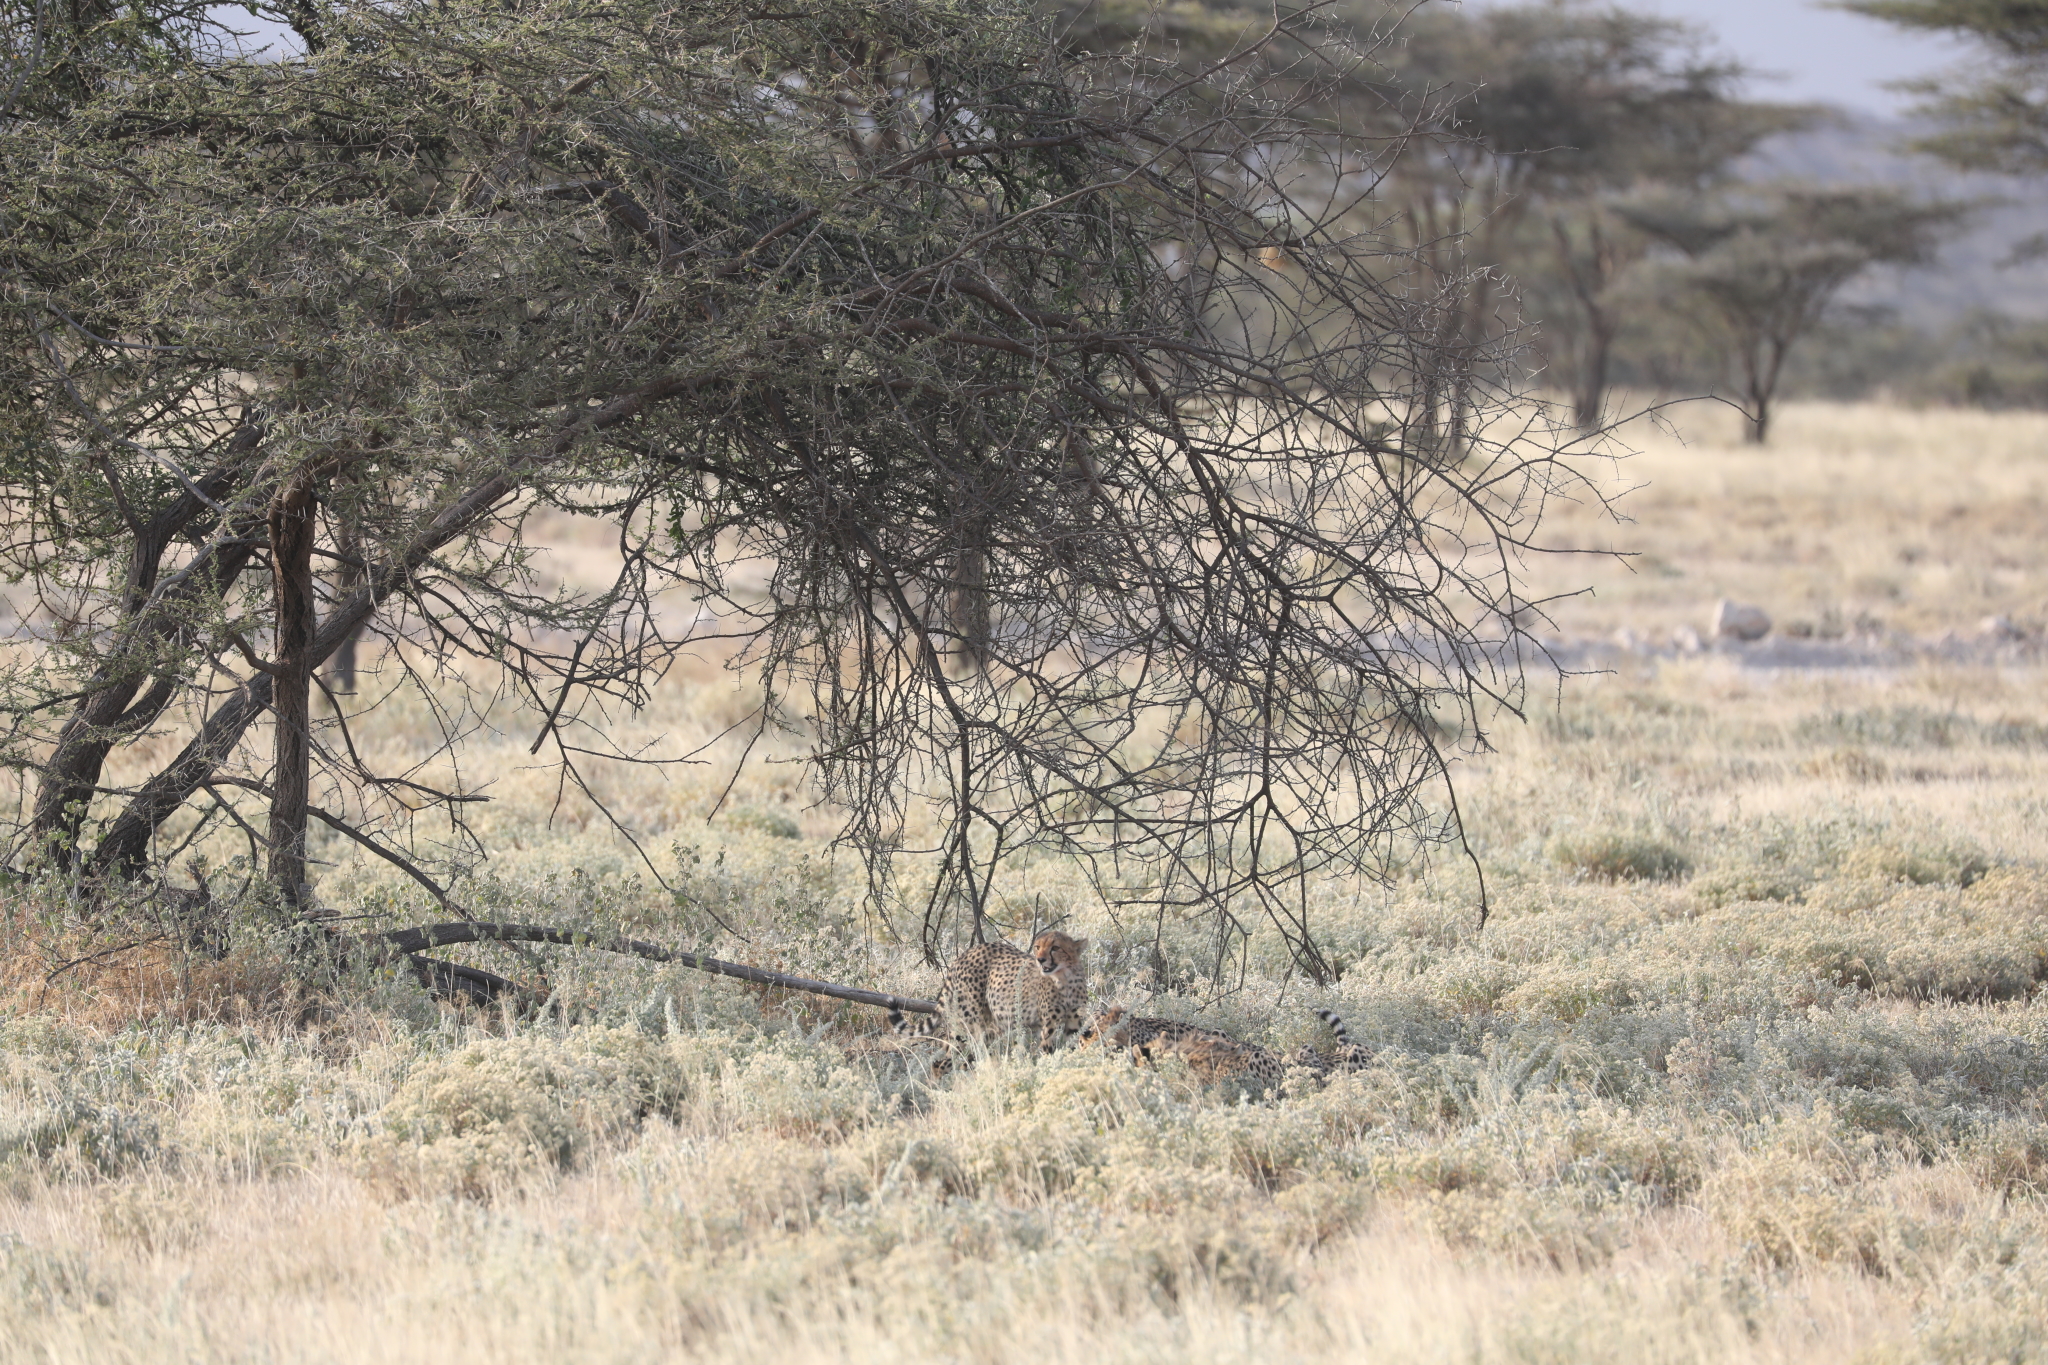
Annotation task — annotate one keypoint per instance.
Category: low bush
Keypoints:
(1619, 857)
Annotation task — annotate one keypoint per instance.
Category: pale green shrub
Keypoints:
(44, 1284)
(1727, 884)
(2010, 1156)
(798, 1092)
(1617, 856)
(773, 823)
(500, 1110)
(1922, 864)
(1801, 1197)
(75, 1136)
(1898, 727)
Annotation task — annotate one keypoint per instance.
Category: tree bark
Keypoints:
(1589, 403)
(1763, 367)
(105, 716)
(124, 847)
(1588, 285)
(292, 529)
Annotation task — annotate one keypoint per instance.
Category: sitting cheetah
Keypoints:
(994, 990)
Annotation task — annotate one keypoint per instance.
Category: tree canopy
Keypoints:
(1096, 454)
(1994, 109)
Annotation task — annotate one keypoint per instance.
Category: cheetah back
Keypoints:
(1117, 1027)
(1216, 1057)
(965, 991)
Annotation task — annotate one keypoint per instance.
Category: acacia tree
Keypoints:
(1759, 268)
(1551, 111)
(1070, 533)
(1993, 111)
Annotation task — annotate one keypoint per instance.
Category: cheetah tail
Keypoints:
(1336, 1023)
(903, 1023)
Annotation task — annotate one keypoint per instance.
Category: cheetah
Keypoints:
(1046, 1003)
(995, 990)
(1218, 1057)
(1349, 1056)
(1210, 1055)
(1117, 1027)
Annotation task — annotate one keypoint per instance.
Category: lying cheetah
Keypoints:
(1217, 1057)
(996, 991)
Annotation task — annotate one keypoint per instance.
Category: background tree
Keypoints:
(1519, 126)
(1759, 268)
(1639, 109)
(1560, 108)
(1086, 548)
(1993, 111)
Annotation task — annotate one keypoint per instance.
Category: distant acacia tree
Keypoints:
(1993, 111)
(1548, 112)
(978, 344)
(1757, 268)
(1523, 127)
(1610, 105)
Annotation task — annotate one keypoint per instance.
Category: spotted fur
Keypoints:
(1348, 1056)
(1217, 1057)
(994, 991)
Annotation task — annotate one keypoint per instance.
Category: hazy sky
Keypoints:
(1820, 54)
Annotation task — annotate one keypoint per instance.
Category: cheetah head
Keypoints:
(1056, 952)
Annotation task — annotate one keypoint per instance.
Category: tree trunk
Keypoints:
(292, 530)
(1589, 401)
(341, 669)
(104, 717)
(968, 608)
(1756, 423)
(124, 848)
(1764, 363)
(1471, 333)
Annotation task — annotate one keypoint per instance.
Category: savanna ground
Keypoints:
(1747, 1066)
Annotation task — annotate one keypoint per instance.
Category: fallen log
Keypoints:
(474, 984)
(411, 941)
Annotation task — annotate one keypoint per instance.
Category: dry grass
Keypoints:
(1902, 520)
(1749, 1065)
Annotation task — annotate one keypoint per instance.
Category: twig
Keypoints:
(64, 967)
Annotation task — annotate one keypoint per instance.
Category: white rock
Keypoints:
(1999, 628)
(1625, 638)
(1687, 639)
(1740, 621)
